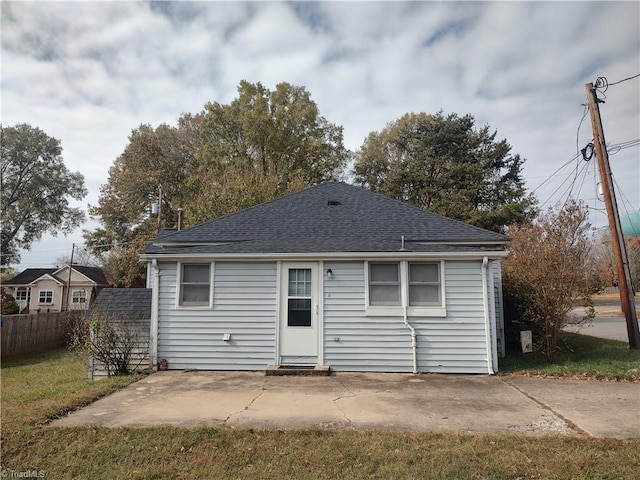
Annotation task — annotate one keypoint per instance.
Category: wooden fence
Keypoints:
(33, 333)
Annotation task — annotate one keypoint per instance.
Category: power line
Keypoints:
(624, 79)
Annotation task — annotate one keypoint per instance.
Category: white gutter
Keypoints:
(487, 321)
(155, 300)
(329, 255)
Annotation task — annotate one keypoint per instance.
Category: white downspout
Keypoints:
(487, 322)
(414, 339)
(155, 300)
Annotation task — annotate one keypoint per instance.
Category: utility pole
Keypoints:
(73, 249)
(627, 299)
(159, 209)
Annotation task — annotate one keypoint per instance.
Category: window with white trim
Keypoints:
(420, 284)
(45, 296)
(424, 284)
(22, 294)
(79, 296)
(195, 284)
(384, 284)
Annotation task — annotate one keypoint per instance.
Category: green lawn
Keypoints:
(42, 387)
(582, 356)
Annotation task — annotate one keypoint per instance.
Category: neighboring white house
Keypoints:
(49, 289)
(333, 275)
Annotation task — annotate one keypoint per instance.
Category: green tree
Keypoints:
(445, 165)
(163, 157)
(546, 273)
(36, 187)
(261, 145)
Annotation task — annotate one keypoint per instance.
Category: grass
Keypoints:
(37, 389)
(581, 356)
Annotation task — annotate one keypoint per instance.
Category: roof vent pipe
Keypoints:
(402, 247)
(180, 218)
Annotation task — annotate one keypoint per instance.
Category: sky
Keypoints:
(88, 73)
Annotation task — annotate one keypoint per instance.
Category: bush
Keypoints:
(545, 275)
(116, 344)
(8, 304)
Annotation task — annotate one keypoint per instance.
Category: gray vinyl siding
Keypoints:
(499, 309)
(452, 344)
(244, 306)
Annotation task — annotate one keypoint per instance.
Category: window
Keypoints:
(299, 298)
(424, 284)
(384, 284)
(195, 285)
(46, 296)
(418, 285)
(79, 296)
(21, 294)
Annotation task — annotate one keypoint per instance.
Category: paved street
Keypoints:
(609, 322)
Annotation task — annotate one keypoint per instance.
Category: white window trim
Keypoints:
(22, 290)
(40, 292)
(179, 306)
(397, 310)
(73, 299)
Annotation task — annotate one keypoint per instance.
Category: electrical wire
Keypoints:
(624, 80)
(554, 174)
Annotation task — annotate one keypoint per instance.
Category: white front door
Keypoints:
(299, 313)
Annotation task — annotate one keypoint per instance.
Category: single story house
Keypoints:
(333, 275)
(49, 289)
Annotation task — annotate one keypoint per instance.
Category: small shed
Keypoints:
(129, 311)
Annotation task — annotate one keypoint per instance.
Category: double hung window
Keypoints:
(195, 284)
(419, 283)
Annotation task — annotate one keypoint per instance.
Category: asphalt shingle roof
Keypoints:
(93, 273)
(330, 217)
(122, 304)
(29, 275)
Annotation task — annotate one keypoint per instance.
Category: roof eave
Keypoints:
(325, 255)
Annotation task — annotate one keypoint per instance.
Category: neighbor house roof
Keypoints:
(95, 274)
(122, 304)
(30, 275)
(330, 217)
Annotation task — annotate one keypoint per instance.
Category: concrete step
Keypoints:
(307, 370)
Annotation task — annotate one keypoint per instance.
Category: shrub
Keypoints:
(546, 274)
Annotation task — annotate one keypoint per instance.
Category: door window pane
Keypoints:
(299, 301)
(299, 312)
(300, 282)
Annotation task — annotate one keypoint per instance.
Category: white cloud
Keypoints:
(88, 73)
